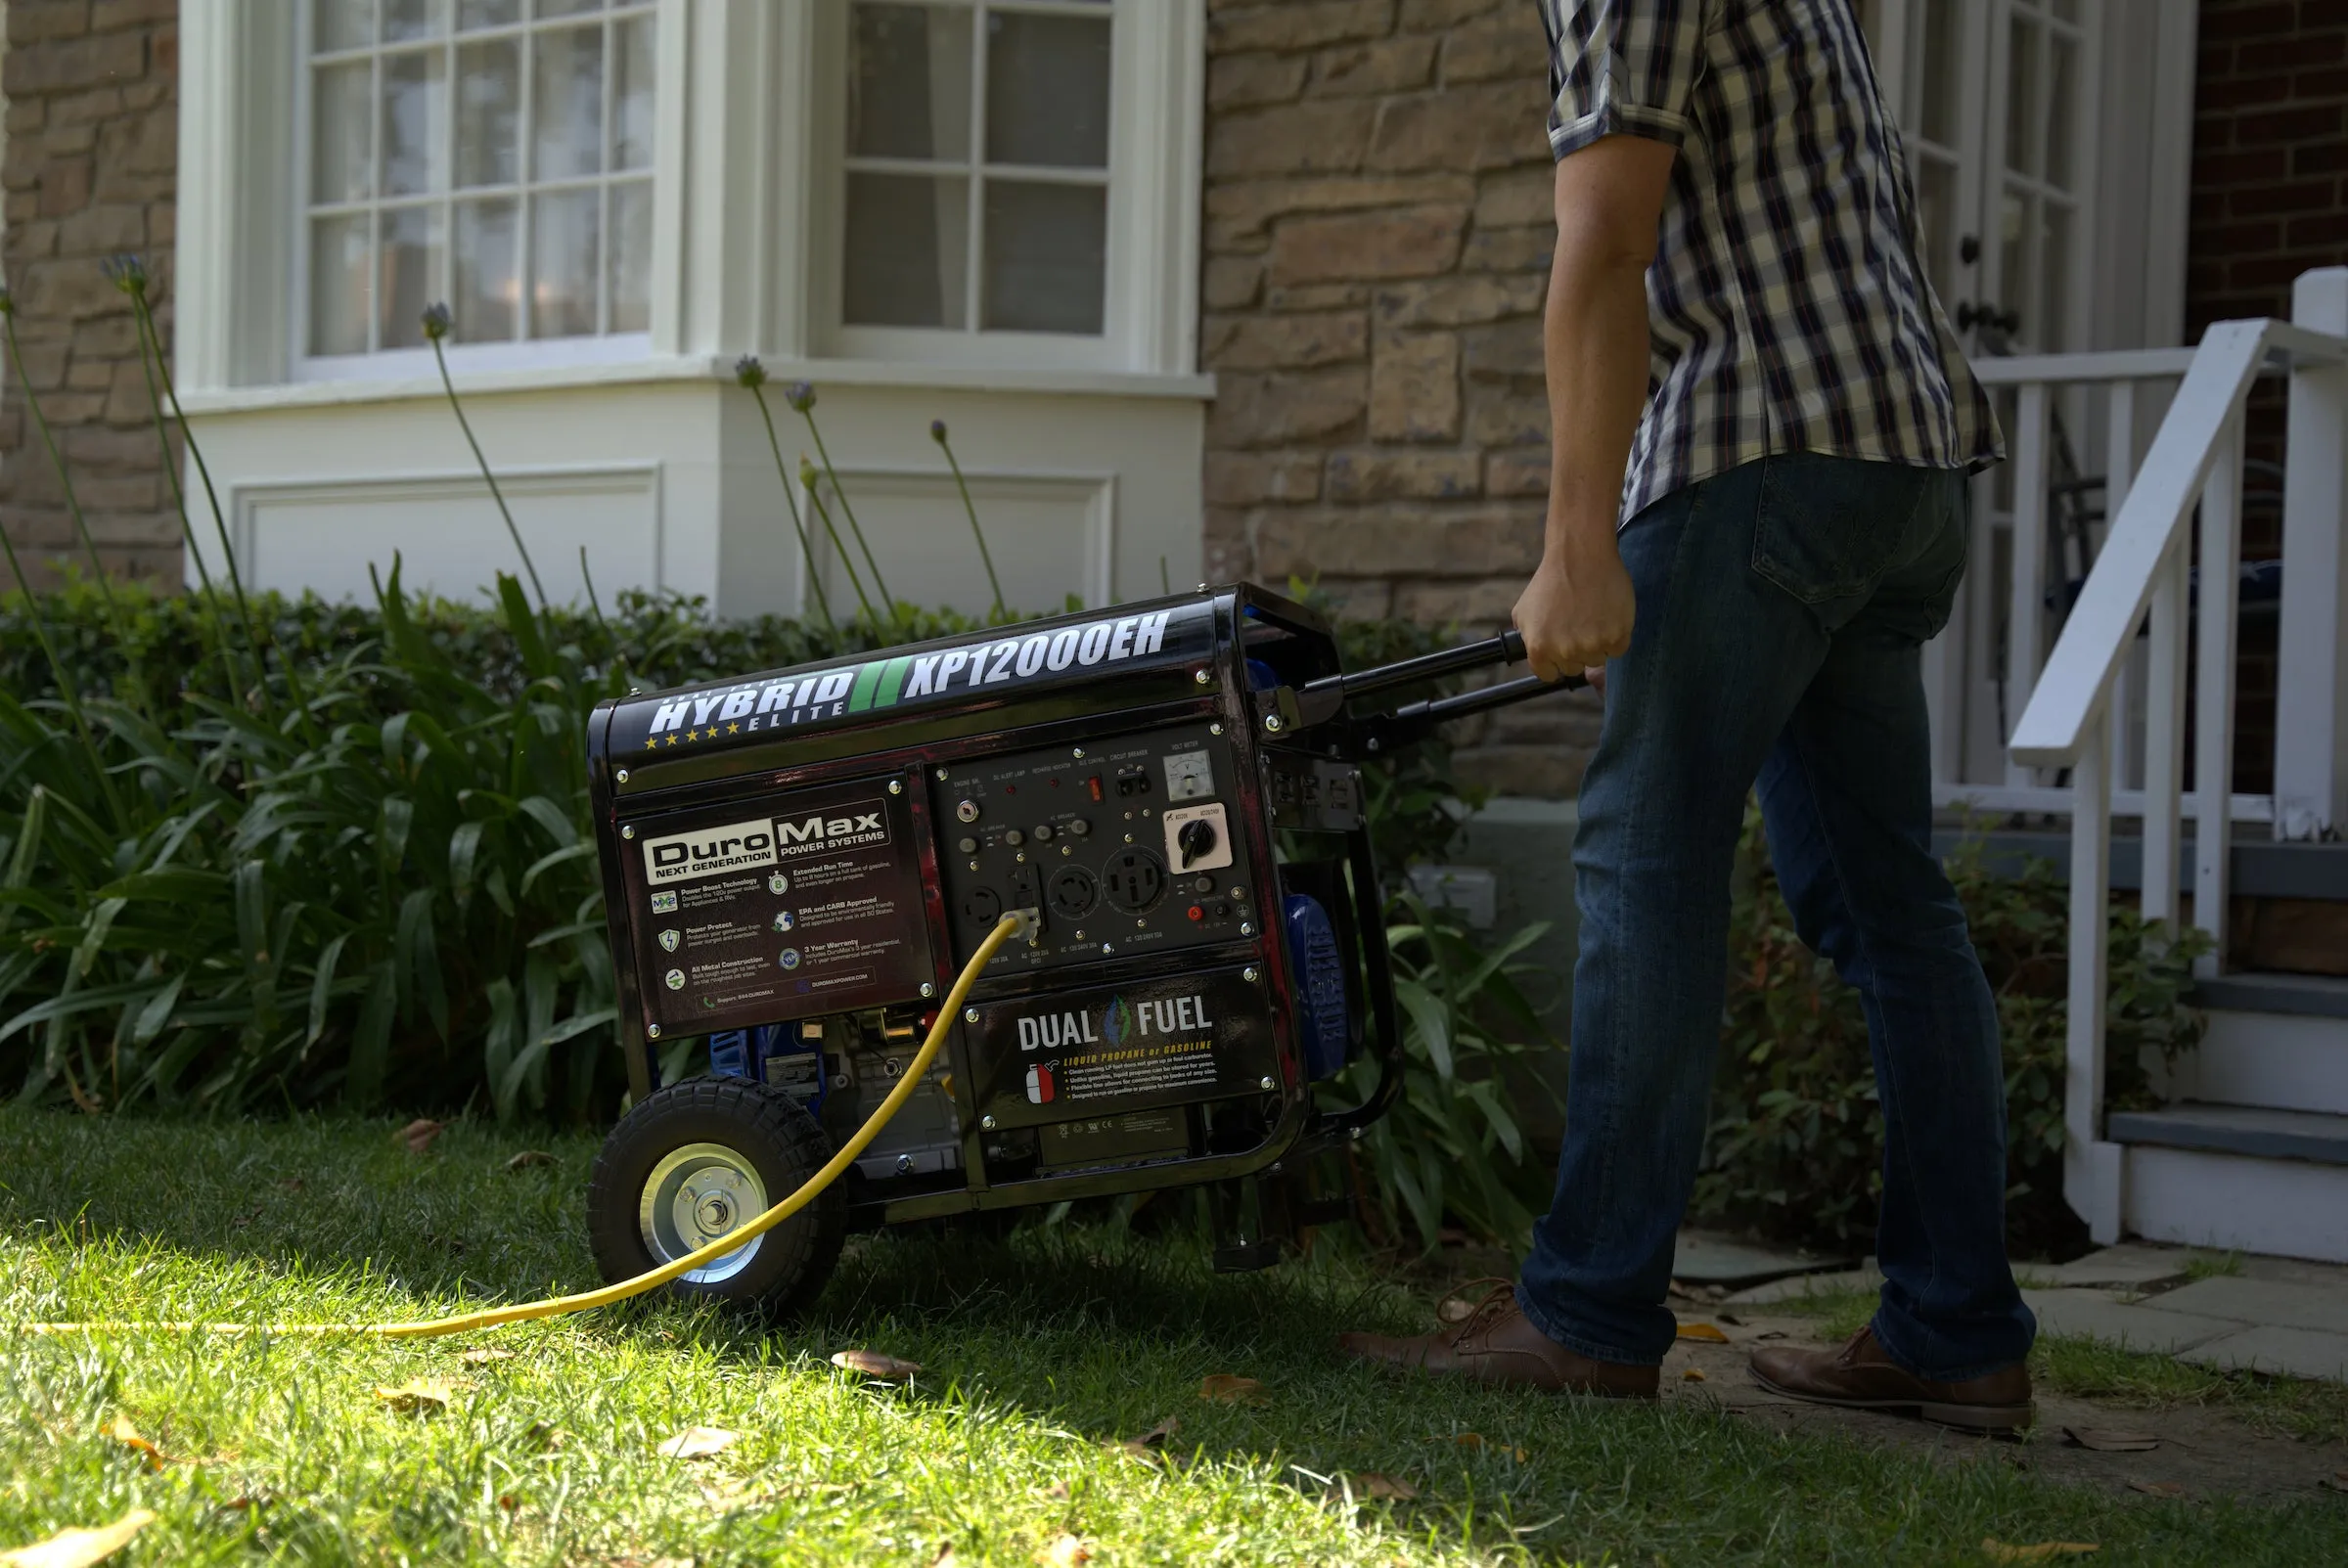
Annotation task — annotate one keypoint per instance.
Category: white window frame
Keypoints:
(744, 245)
(1156, 52)
(525, 353)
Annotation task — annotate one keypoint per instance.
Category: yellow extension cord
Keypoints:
(560, 1306)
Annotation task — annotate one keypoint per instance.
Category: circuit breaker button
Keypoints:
(1014, 838)
(968, 845)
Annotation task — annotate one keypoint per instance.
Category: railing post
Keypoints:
(2311, 699)
(2120, 471)
(2164, 734)
(2025, 613)
(2213, 689)
(2090, 1168)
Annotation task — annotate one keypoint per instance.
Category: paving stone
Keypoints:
(2290, 1352)
(2094, 1314)
(2260, 1301)
(1806, 1284)
(2131, 1267)
(1703, 1258)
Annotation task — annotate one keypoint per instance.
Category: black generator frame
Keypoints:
(1284, 737)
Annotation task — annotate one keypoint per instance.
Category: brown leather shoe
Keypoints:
(1497, 1344)
(1861, 1376)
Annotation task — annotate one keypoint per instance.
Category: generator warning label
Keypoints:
(813, 905)
(1155, 1043)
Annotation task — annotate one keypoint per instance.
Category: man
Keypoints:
(1747, 366)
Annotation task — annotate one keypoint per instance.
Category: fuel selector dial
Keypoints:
(1198, 839)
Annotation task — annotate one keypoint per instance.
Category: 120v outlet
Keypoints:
(1073, 893)
(1134, 880)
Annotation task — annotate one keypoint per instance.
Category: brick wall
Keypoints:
(1377, 245)
(92, 152)
(2270, 200)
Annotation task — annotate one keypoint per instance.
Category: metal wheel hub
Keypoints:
(700, 1193)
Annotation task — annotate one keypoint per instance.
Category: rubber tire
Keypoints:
(778, 1138)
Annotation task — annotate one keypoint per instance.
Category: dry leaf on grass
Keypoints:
(419, 1134)
(483, 1354)
(1145, 1447)
(121, 1431)
(418, 1395)
(946, 1557)
(1371, 1484)
(1477, 1441)
(1229, 1388)
(1069, 1552)
(875, 1363)
(2113, 1439)
(529, 1157)
(2037, 1550)
(1691, 1374)
(2337, 1481)
(2157, 1489)
(1702, 1333)
(79, 1548)
(292, 1184)
(544, 1435)
(699, 1441)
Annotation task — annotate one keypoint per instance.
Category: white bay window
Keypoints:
(985, 211)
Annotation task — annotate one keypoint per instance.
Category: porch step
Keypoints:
(2261, 869)
(2252, 1130)
(2305, 996)
(2207, 1197)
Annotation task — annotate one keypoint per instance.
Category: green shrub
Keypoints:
(1796, 1142)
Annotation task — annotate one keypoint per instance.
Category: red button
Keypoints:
(1197, 914)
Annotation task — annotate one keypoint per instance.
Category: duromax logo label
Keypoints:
(706, 851)
(840, 828)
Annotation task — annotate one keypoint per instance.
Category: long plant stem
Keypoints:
(156, 367)
(985, 555)
(65, 681)
(848, 511)
(441, 358)
(847, 561)
(799, 527)
(65, 480)
(187, 525)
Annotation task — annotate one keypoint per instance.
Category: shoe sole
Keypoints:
(1963, 1417)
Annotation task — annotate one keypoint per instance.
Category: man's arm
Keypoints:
(1576, 612)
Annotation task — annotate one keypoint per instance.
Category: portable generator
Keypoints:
(798, 864)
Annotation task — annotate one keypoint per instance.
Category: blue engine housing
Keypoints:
(1325, 1022)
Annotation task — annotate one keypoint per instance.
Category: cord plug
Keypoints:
(1030, 926)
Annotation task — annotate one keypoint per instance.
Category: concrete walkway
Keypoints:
(2264, 1315)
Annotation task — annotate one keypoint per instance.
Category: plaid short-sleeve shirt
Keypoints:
(1787, 308)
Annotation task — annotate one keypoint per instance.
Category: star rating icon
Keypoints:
(732, 728)
(672, 738)
(652, 744)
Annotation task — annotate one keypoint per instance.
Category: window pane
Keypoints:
(569, 90)
(489, 112)
(631, 281)
(632, 94)
(563, 262)
(341, 24)
(2060, 112)
(1935, 214)
(1047, 90)
(340, 296)
(2022, 98)
(340, 156)
(487, 13)
(2054, 283)
(412, 243)
(1046, 257)
(484, 289)
(565, 8)
(908, 246)
(404, 19)
(415, 158)
(1944, 60)
(909, 82)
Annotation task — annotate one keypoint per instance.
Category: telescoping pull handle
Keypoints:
(1319, 702)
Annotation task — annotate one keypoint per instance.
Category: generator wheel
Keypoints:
(700, 1159)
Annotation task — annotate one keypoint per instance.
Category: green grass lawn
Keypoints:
(1038, 1354)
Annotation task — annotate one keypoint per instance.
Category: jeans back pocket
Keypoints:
(1831, 528)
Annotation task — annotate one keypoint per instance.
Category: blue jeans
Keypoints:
(1782, 608)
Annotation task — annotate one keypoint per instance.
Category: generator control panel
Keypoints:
(1128, 846)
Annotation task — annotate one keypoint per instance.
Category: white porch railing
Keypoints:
(2145, 569)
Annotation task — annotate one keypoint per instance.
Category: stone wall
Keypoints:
(1378, 233)
(90, 171)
